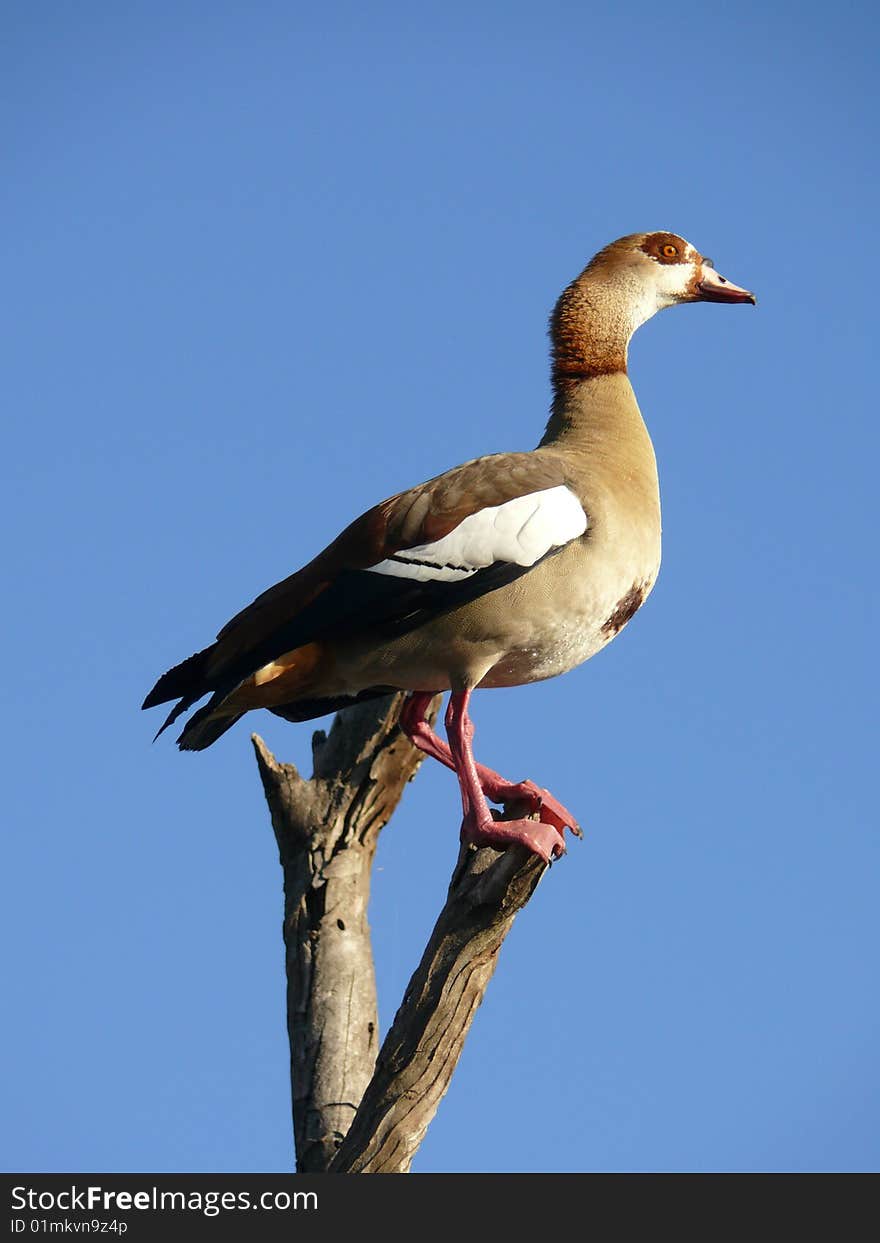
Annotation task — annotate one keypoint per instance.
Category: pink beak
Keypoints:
(713, 287)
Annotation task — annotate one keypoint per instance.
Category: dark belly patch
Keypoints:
(624, 609)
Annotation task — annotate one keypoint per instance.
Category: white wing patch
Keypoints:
(520, 531)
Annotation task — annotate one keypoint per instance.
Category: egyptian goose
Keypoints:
(509, 569)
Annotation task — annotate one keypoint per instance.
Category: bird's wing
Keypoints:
(417, 554)
(414, 556)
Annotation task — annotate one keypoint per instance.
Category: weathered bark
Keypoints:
(354, 1113)
(327, 830)
(421, 1051)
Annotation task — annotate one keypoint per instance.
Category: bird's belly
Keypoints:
(518, 635)
(559, 648)
(562, 642)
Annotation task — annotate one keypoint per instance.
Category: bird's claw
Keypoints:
(540, 837)
(553, 812)
(537, 800)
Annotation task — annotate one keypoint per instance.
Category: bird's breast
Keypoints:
(574, 604)
(560, 641)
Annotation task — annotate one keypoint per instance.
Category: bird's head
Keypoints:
(620, 288)
(661, 269)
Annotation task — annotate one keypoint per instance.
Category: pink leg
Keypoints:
(419, 732)
(478, 827)
(492, 784)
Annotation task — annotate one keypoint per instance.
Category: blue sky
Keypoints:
(264, 265)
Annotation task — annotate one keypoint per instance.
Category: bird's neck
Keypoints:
(595, 411)
(591, 326)
(594, 406)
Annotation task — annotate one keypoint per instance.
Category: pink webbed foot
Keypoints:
(540, 837)
(537, 799)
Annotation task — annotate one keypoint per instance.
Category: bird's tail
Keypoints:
(190, 680)
(184, 681)
(206, 726)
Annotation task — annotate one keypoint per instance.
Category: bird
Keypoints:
(507, 570)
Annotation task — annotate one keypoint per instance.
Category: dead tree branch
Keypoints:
(354, 1112)
(420, 1052)
(327, 830)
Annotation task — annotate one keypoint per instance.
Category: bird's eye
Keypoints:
(707, 263)
(670, 251)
